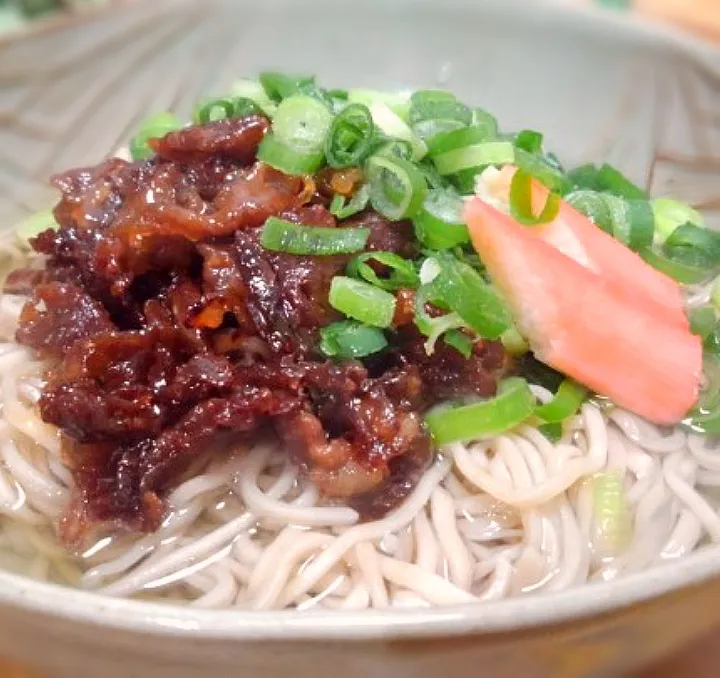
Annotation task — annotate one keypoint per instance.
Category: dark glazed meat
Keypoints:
(175, 333)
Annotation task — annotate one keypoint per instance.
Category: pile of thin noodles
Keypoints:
(492, 519)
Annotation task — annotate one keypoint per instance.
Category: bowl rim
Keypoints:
(513, 614)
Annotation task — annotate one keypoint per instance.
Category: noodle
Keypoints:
(494, 518)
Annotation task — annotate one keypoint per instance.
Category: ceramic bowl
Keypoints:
(600, 86)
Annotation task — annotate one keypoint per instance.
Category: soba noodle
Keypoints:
(495, 518)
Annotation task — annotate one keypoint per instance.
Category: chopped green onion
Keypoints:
(529, 140)
(343, 209)
(476, 156)
(279, 86)
(594, 206)
(606, 179)
(693, 246)
(34, 225)
(397, 187)
(433, 328)
(394, 127)
(460, 342)
(395, 148)
(217, 109)
(302, 123)
(702, 321)
(402, 272)
(350, 138)
(282, 157)
(458, 139)
(542, 170)
(704, 418)
(633, 222)
(521, 203)
(362, 301)
(570, 395)
(612, 531)
(669, 214)
(513, 342)
(439, 223)
(349, 340)
(688, 275)
(715, 294)
(154, 127)
(253, 91)
(279, 235)
(464, 291)
(512, 406)
(553, 432)
(484, 121)
(397, 103)
(435, 111)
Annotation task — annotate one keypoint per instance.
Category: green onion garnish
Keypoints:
(253, 91)
(594, 206)
(397, 186)
(512, 406)
(486, 122)
(633, 222)
(460, 342)
(279, 86)
(688, 275)
(439, 224)
(397, 103)
(702, 321)
(475, 156)
(343, 209)
(436, 111)
(612, 529)
(570, 395)
(463, 290)
(154, 127)
(217, 109)
(454, 140)
(302, 123)
(34, 225)
(395, 148)
(282, 157)
(544, 171)
(362, 301)
(669, 214)
(433, 327)
(394, 127)
(521, 207)
(529, 140)
(606, 179)
(402, 272)
(349, 340)
(693, 246)
(279, 235)
(350, 138)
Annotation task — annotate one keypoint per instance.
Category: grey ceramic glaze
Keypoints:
(599, 86)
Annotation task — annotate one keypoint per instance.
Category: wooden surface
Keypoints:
(703, 658)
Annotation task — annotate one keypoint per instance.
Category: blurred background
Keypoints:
(701, 17)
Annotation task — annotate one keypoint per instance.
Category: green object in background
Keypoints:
(615, 4)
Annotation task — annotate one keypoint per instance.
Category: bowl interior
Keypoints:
(599, 87)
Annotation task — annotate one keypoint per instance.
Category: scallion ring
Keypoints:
(348, 340)
(511, 407)
(350, 138)
(521, 201)
(279, 235)
(397, 187)
(361, 301)
(402, 273)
